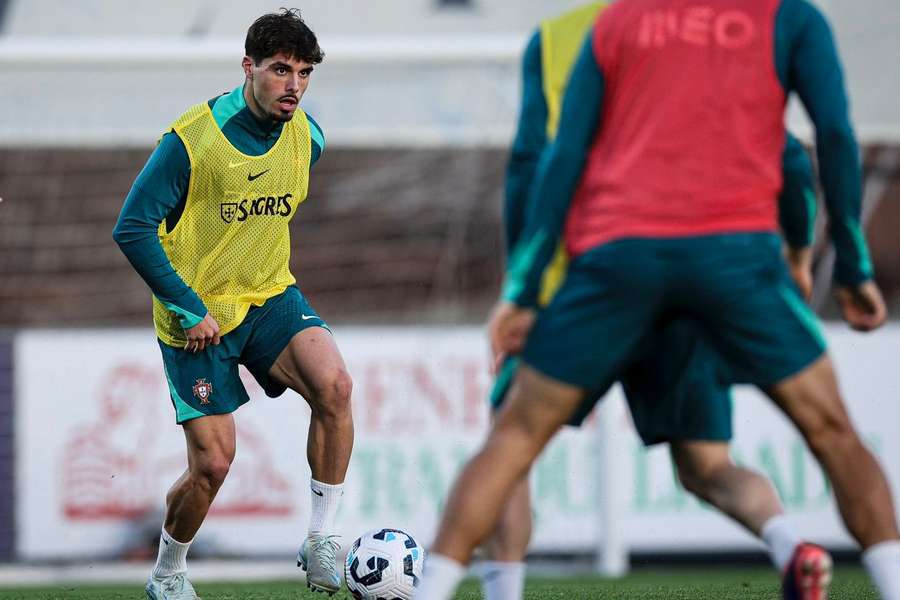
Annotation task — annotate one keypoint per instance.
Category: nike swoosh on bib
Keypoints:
(232, 165)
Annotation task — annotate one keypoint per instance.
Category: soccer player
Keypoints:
(675, 395)
(206, 225)
(663, 176)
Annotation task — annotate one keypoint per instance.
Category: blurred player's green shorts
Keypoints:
(734, 288)
(674, 390)
(208, 382)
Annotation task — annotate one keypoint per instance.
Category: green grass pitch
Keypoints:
(656, 584)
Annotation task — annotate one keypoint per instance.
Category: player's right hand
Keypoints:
(202, 334)
(862, 306)
(508, 329)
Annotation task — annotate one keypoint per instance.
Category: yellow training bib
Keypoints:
(232, 242)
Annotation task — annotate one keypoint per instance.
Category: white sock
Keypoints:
(440, 578)
(326, 498)
(882, 561)
(501, 580)
(781, 539)
(172, 557)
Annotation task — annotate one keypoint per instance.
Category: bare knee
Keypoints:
(700, 465)
(331, 396)
(829, 434)
(210, 471)
(697, 480)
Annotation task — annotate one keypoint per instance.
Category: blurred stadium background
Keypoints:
(398, 246)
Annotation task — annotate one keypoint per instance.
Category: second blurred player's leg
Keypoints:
(536, 409)
(812, 401)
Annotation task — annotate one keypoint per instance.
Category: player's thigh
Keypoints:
(674, 388)
(287, 336)
(503, 381)
(739, 289)
(312, 366)
(206, 382)
(537, 406)
(812, 400)
(610, 297)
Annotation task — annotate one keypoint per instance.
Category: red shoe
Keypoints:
(808, 575)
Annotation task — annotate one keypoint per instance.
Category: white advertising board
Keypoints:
(97, 448)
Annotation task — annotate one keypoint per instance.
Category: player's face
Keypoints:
(275, 85)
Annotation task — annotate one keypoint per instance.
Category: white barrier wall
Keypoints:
(97, 448)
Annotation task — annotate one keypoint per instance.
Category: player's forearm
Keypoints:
(530, 140)
(152, 264)
(158, 189)
(519, 176)
(818, 78)
(797, 202)
(140, 245)
(841, 179)
(558, 172)
(136, 234)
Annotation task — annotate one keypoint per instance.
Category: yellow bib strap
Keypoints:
(561, 40)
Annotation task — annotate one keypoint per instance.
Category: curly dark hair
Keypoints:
(283, 32)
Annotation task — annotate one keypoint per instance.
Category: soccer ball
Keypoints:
(384, 564)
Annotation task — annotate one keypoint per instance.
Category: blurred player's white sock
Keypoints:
(172, 557)
(326, 498)
(440, 579)
(781, 539)
(502, 580)
(882, 561)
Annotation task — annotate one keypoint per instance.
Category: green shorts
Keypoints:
(734, 288)
(208, 382)
(674, 390)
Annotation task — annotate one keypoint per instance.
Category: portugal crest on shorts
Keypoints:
(203, 390)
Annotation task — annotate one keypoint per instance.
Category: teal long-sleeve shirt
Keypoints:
(806, 62)
(160, 191)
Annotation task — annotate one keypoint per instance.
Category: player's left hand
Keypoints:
(508, 329)
(799, 262)
(862, 306)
